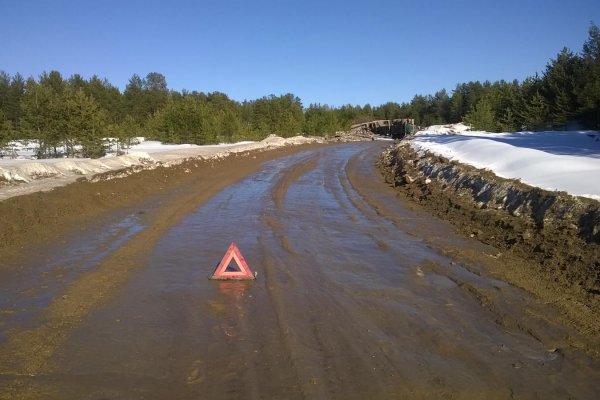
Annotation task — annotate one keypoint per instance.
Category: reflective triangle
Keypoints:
(224, 272)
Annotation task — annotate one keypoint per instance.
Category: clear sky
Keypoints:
(330, 52)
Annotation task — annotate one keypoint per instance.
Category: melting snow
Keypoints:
(36, 175)
(563, 160)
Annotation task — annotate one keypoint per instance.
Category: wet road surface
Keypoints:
(357, 296)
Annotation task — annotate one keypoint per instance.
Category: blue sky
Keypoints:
(328, 52)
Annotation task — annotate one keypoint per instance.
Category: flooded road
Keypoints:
(357, 296)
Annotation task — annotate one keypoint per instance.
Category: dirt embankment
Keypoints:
(558, 234)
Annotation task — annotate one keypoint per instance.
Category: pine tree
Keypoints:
(458, 103)
(156, 92)
(481, 117)
(589, 84)
(134, 99)
(442, 107)
(7, 133)
(4, 90)
(124, 131)
(76, 81)
(389, 110)
(41, 117)
(185, 120)
(15, 95)
(85, 124)
(536, 113)
(54, 81)
(418, 106)
(322, 120)
(559, 83)
(507, 122)
(107, 96)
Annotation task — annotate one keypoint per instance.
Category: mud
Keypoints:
(557, 235)
(30, 220)
(358, 295)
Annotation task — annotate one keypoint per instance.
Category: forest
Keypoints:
(74, 115)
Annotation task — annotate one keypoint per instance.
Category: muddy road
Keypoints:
(358, 296)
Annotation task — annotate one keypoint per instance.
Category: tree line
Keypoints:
(567, 92)
(76, 114)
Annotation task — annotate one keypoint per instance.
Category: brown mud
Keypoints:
(31, 220)
(359, 295)
(161, 196)
(548, 242)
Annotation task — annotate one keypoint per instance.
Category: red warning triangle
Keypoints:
(224, 272)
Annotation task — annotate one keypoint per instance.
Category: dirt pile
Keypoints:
(559, 234)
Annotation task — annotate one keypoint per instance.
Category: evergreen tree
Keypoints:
(78, 112)
(289, 115)
(472, 92)
(134, 100)
(76, 81)
(184, 120)
(419, 109)
(281, 115)
(504, 98)
(107, 96)
(536, 113)
(508, 121)
(156, 92)
(8, 133)
(589, 84)
(85, 124)
(4, 91)
(559, 86)
(321, 120)
(389, 110)
(232, 127)
(122, 134)
(346, 114)
(54, 81)
(458, 107)
(481, 117)
(15, 95)
(41, 117)
(442, 107)
(11, 92)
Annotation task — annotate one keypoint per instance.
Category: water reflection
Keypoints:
(228, 308)
(232, 291)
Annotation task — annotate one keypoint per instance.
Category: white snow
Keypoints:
(566, 161)
(25, 175)
(559, 160)
(448, 129)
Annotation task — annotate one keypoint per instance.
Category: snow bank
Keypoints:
(564, 161)
(22, 176)
(446, 129)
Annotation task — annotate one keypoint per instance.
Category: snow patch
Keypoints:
(23, 176)
(565, 161)
(444, 129)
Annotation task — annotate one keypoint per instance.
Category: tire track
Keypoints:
(26, 352)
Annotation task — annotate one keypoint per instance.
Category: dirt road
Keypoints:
(357, 296)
